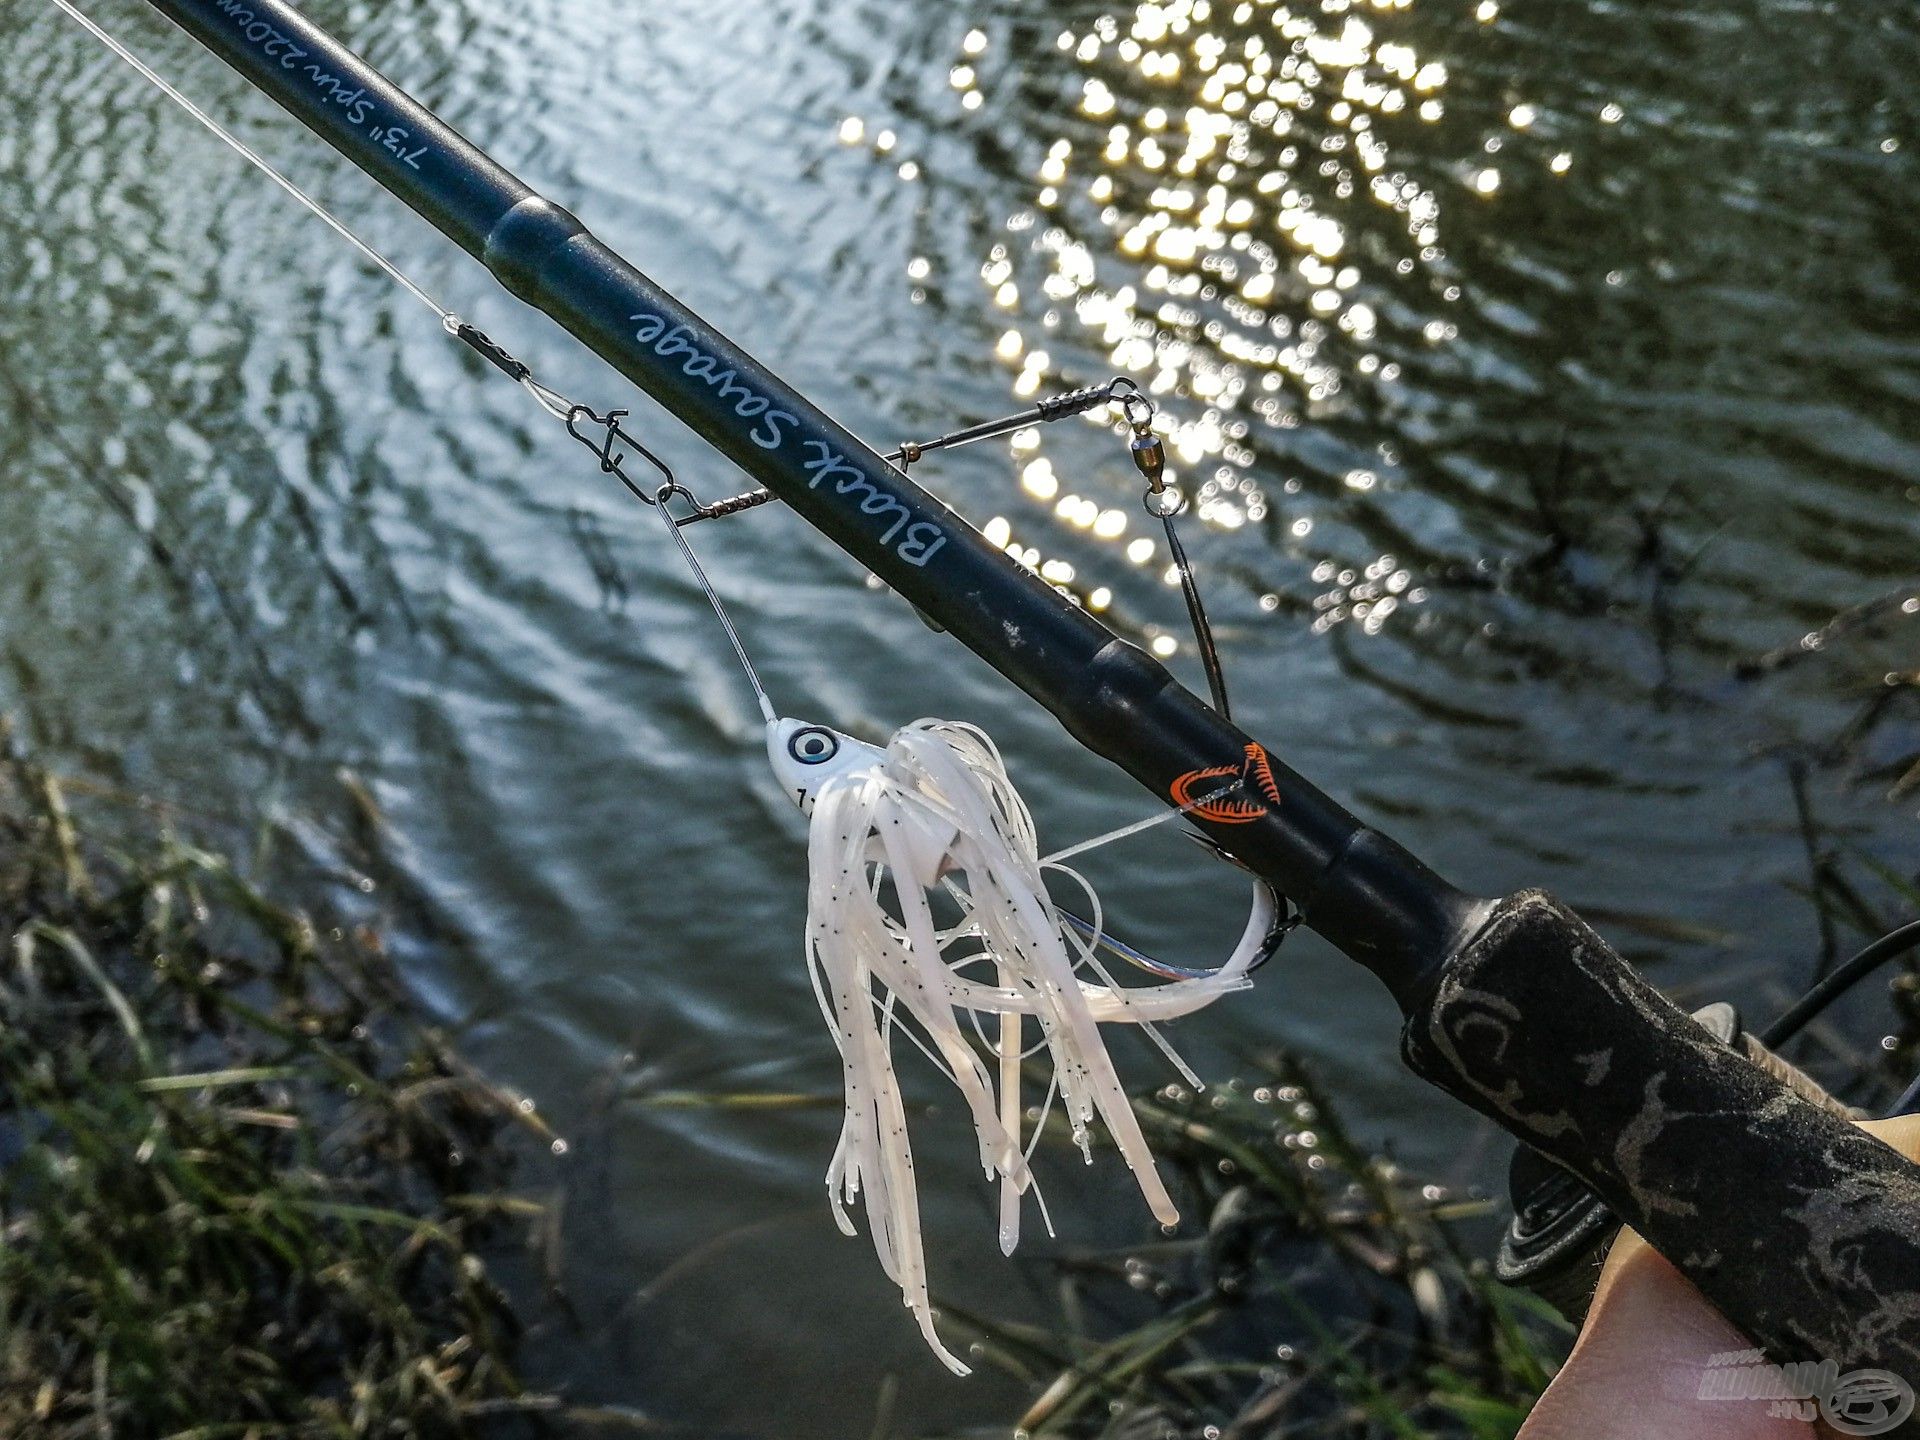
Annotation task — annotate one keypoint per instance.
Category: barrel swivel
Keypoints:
(1148, 450)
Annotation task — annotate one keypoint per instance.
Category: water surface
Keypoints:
(1531, 365)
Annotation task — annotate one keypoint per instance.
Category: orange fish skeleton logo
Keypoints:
(1209, 795)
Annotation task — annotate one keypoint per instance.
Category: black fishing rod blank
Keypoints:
(1800, 1227)
(1366, 894)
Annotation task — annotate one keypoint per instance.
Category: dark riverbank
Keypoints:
(244, 1192)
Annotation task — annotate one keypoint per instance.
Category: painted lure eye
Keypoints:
(813, 745)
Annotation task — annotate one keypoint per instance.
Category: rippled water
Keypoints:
(1531, 364)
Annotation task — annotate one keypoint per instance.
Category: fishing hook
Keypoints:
(1287, 919)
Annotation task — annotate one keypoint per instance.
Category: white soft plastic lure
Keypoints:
(934, 814)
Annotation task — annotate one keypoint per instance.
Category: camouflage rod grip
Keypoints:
(1801, 1228)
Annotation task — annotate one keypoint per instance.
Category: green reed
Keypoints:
(242, 1193)
(1315, 1290)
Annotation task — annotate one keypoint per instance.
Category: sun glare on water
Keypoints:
(1220, 215)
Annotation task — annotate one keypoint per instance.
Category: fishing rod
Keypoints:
(1801, 1228)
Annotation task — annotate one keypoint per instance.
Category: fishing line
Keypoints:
(255, 159)
(1140, 825)
(548, 399)
(1147, 449)
(933, 812)
(1139, 411)
(767, 712)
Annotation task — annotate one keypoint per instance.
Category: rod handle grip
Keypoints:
(1800, 1227)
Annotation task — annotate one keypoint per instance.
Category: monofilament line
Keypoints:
(551, 401)
(713, 598)
(255, 159)
(1139, 825)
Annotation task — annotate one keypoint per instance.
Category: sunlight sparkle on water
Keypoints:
(1202, 236)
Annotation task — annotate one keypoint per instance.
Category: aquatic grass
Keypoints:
(1316, 1290)
(1858, 889)
(242, 1192)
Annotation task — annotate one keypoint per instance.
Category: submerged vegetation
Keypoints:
(241, 1192)
(244, 1192)
(1323, 1292)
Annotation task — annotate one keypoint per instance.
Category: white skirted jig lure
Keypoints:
(933, 821)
